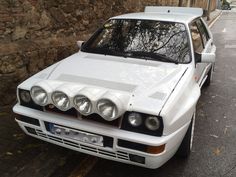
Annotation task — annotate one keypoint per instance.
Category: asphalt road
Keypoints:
(214, 146)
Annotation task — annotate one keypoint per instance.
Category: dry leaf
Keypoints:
(215, 136)
(9, 153)
(217, 151)
(225, 130)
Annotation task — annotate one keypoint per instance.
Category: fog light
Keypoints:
(137, 159)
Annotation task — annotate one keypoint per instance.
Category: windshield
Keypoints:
(142, 39)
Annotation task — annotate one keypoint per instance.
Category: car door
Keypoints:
(202, 43)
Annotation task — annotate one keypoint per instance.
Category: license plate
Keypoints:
(76, 135)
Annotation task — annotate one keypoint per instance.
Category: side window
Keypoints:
(203, 31)
(196, 38)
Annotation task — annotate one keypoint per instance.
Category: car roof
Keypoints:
(160, 13)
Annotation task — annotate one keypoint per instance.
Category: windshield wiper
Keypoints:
(105, 51)
(150, 56)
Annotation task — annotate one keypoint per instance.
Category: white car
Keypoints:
(130, 93)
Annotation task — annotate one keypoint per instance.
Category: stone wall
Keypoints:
(37, 33)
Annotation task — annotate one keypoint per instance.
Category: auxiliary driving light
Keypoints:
(61, 100)
(83, 104)
(107, 109)
(39, 95)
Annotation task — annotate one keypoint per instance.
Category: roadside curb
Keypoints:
(214, 18)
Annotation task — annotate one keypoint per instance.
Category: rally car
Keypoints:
(130, 93)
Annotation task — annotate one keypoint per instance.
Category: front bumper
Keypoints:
(114, 152)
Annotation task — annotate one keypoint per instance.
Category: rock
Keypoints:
(33, 61)
(58, 15)
(44, 20)
(69, 7)
(6, 67)
(42, 58)
(63, 53)
(26, 6)
(32, 17)
(21, 74)
(6, 18)
(85, 22)
(7, 31)
(50, 3)
(19, 33)
(51, 57)
(78, 12)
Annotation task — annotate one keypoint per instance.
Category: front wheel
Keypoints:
(187, 143)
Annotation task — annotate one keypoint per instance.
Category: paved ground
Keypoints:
(23, 156)
(214, 151)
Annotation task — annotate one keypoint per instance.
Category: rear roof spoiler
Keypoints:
(174, 10)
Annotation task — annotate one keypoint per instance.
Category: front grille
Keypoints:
(117, 155)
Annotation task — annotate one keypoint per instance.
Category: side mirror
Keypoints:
(208, 57)
(80, 44)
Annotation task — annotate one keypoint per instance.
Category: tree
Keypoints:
(208, 10)
(180, 3)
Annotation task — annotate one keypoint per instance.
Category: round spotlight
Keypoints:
(61, 100)
(152, 123)
(39, 95)
(83, 104)
(25, 96)
(107, 109)
(135, 119)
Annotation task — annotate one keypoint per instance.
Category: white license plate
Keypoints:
(76, 135)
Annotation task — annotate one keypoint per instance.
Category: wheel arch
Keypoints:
(181, 105)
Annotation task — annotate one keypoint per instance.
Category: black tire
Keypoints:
(209, 77)
(186, 145)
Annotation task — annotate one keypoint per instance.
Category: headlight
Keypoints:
(83, 104)
(152, 123)
(39, 95)
(61, 100)
(107, 109)
(25, 96)
(135, 119)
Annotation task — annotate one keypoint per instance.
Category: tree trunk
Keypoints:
(208, 10)
(180, 3)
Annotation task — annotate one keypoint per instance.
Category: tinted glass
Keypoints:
(203, 31)
(145, 39)
(196, 38)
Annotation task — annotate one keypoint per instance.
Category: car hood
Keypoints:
(139, 85)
